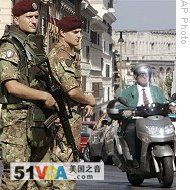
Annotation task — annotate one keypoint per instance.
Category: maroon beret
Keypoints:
(23, 7)
(69, 23)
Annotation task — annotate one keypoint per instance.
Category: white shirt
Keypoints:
(148, 94)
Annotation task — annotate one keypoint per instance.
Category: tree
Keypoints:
(168, 83)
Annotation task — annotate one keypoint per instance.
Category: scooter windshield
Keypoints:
(152, 109)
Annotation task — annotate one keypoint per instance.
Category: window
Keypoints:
(132, 48)
(102, 63)
(110, 48)
(88, 29)
(169, 46)
(104, 46)
(94, 37)
(85, 25)
(109, 29)
(152, 46)
(110, 4)
(96, 89)
(108, 93)
(83, 83)
(125, 47)
(107, 71)
(87, 53)
(153, 73)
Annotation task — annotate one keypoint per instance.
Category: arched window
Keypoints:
(168, 70)
(161, 69)
(153, 74)
(161, 72)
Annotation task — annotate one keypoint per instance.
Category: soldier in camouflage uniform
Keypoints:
(65, 65)
(23, 99)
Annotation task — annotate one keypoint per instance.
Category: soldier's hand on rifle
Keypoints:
(49, 101)
(91, 100)
(89, 110)
(58, 122)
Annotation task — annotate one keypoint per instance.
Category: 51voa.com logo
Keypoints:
(57, 171)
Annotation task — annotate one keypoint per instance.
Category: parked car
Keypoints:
(96, 147)
(87, 127)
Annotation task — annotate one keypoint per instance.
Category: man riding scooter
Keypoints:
(139, 94)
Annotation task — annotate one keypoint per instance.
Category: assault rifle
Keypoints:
(63, 112)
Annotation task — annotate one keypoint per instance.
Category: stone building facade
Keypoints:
(5, 15)
(101, 57)
(155, 47)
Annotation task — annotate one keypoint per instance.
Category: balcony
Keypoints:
(109, 14)
(88, 9)
(98, 25)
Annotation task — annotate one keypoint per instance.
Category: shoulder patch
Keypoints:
(10, 53)
(68, 62)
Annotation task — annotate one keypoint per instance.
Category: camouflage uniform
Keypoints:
(18, 125)
(66, 69)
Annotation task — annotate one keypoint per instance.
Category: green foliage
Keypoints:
(168, 83)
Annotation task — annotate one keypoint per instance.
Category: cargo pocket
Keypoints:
(37, 134)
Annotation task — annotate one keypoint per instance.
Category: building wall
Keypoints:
(156, 48)
(5, 14)
(104, 62)
(149, 45)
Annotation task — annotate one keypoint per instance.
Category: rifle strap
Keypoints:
(65, 122)
(65, 95)
(23, 65)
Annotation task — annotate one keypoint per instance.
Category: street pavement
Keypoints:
(117, 180)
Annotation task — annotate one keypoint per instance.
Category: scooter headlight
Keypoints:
(155, 130)
(169, 129)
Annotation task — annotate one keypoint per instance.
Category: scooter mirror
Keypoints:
(123, 101)
(173, 97)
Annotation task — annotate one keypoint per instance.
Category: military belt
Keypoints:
(17, 106)
(77, 110)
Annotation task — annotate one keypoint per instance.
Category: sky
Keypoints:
(145, 14)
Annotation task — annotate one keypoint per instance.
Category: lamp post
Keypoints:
(120, 41)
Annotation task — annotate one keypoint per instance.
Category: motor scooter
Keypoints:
(156, 141)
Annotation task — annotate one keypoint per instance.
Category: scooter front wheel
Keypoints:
(166, 174)
(105, 157)
(134, 179)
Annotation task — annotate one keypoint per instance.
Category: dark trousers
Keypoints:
(129, 134)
